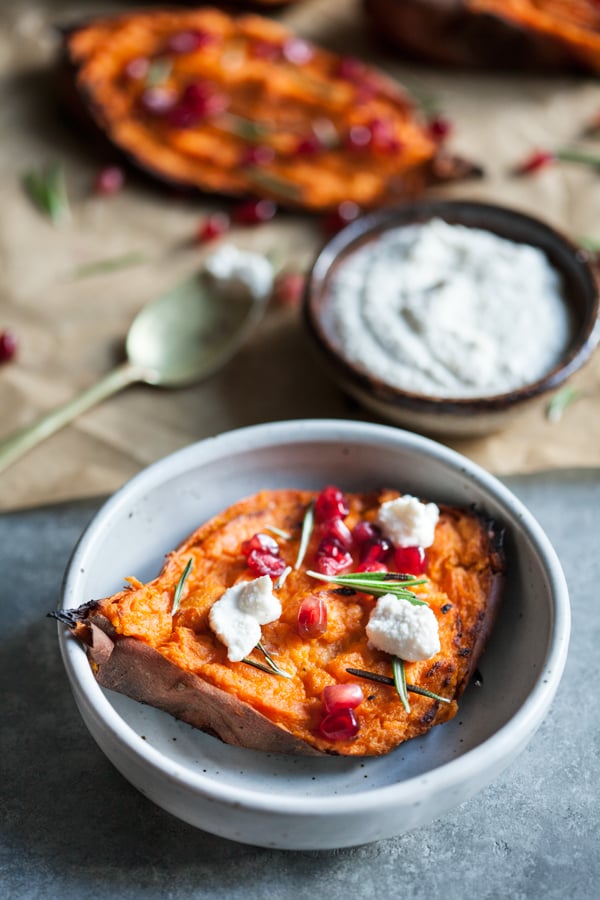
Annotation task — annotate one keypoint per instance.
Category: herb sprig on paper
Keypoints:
(47, 190)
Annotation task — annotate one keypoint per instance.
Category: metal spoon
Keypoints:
(179, 338)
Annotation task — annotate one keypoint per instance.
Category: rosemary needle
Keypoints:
(179, 587)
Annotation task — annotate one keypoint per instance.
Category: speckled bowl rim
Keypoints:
(490, 754)
(455, 211)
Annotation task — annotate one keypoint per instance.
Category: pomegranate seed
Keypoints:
(383, 136)
(312, 616)
(255, 212)
(189, 41)
(297, 51)
(265, 50)
(137, 68)
(262, 543)
(265, 563)
(365, 531)
(339, 531)
(158, 100)
(336, 697)
(333, 565)
(331, 504)
(289, 288)
(214, 226)
(439, 128)
(8, 346)
(376, 550)
(359, 137)
(109, 181)
(351, 69)
(371, 567)
(339, 726)
(260, 155)
(346, 212)
(308, 146)
(330, 546)
(199, 101)
(411, 560)
(539, 159)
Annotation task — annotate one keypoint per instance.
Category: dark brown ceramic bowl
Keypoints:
(447, 415)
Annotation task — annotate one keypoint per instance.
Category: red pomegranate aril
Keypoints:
(346, 212)
(259, 155)
(365, 531)
(289, 289)
(213, 227)
(265, 50)
(297, 51)
(109, 180)
(410, 560)
(137, 68)
(158, 100)
(372, 567)
(339, 726)
(308, 146)
(330, 565)
(376, 550)
(337, 529)
(331, 504)
(359, 137)
(312, 617)
(189, 41)
(8, 346)
(350, 68)
(439, 128)
(383, 137)
(539, 159)
(255, 212)
(262, 563)
(336, 697)
(262, 543)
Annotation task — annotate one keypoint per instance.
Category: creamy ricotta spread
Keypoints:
(236, 271)
(237, 616)
(407, 631)
(449, 310)
(408, 522)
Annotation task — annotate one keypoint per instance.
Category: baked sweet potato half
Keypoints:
(501, 34)
(312, 680)
(243, 107)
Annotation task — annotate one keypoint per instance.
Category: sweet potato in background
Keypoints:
(503, 34)
(175, 662)
(255, 111)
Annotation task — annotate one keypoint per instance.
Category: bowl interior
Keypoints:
(579, 285)
(157, 509)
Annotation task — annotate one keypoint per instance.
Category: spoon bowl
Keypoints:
(179, 338)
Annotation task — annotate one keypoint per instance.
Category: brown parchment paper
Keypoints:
(71, 330)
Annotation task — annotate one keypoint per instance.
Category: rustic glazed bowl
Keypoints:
(304, 802)
(428, 413)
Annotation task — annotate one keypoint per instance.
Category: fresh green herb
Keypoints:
(272, 668)
(559, 402)
(273, 183)
(101, 266)
(245, 128)
(307, 528)
(377, 584)
(279, 532)
(158, 73)
(385, 679)
(282, 578)
(47, 190)
(400, 681)
(179, 588)
(577, 156)
(590, 244)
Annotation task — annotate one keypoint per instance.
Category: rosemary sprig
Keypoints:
(377, 584)
(47, 190)
(400, 681)
(285, 535)
(591, 244)
(272, 668)
(308, 524)
(578, 156)
(385, 679)
(282, 578)
(559, 402)
(277, 185)
(158, 72)
(179, 587)
(100, 266)
(245, 128)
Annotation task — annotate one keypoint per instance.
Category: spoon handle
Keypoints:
(14, 446)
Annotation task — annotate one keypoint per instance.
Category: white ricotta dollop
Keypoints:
(237, 616)
(236, 272)
(449, 310)
(408, 522)
(398, 627)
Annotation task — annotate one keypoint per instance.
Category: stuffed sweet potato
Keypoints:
(503, 34)
(242, 106)
(312, 678)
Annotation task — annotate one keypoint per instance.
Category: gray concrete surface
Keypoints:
(72, 828)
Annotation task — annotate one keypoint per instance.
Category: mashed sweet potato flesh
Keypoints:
(462, 574)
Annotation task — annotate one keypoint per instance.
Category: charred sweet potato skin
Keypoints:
(175, 662)
(501, 34)
(284, 118)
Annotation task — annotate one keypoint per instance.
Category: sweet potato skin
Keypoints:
(270, 102)
(175, 663)
(491, 34)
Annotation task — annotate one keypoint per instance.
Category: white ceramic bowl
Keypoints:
(305, 803)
